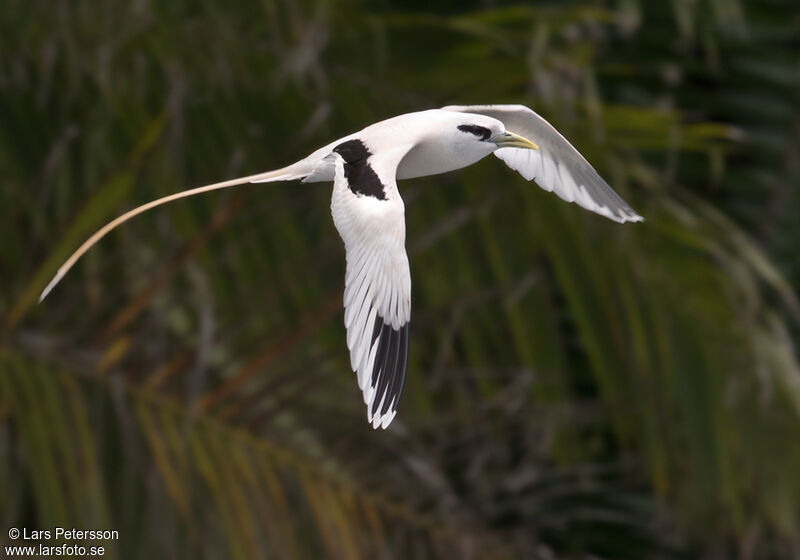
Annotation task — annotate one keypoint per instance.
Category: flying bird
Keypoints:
(369, 214)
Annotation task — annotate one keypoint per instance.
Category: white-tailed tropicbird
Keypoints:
(369, 214)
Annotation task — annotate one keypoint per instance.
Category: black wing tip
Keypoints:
(388, 372)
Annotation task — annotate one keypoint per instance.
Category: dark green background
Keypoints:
(577, 389)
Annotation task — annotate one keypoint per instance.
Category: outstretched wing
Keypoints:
(370, 217)
(556, 166)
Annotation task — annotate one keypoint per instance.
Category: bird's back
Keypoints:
(431, 138)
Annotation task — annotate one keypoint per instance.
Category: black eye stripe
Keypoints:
(483, 132)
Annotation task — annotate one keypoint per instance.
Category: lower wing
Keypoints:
(377, 295)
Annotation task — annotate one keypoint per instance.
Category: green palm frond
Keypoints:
(230, 493)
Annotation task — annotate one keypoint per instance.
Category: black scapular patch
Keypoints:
(361, 178)
(391, 364)
(482, 132)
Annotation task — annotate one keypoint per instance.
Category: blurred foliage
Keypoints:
(577, 389)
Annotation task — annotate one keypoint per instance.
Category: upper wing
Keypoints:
(556, 166)
(370, 217)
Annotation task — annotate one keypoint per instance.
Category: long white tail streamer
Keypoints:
(278, 175)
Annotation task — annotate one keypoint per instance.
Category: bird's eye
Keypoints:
(480, 131)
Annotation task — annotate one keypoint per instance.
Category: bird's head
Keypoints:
(491, 133)
(449, 140)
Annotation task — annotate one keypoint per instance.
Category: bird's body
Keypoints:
(424, 143)
(369, 214)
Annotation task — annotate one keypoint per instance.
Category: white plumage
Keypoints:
(377, 290)
(370, 216)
